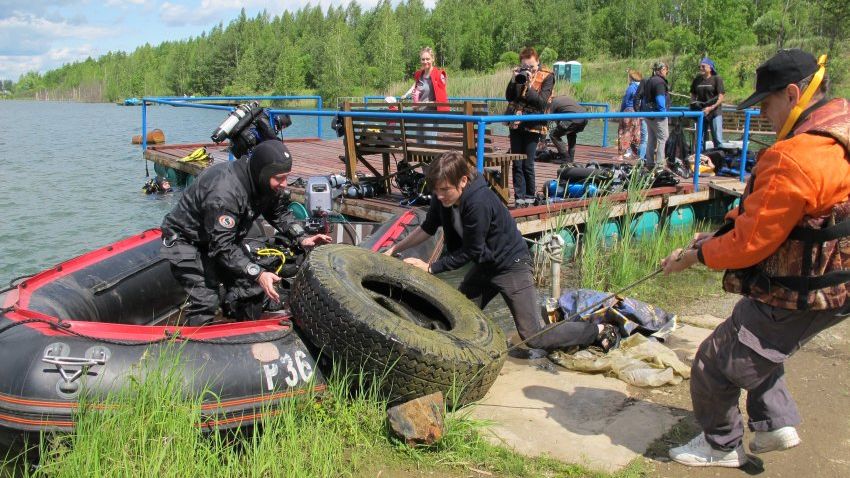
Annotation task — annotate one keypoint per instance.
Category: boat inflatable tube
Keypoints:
(372, 313)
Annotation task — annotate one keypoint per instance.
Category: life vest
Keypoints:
(811, 269)
(516, 107)
(438, 81)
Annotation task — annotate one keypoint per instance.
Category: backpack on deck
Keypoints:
(677, 146)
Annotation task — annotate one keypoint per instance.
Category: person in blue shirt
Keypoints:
(656, 98)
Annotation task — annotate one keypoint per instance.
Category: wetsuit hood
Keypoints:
(268, 159)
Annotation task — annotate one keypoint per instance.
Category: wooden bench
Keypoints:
(419, 141)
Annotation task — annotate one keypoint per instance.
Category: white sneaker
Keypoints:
(698, 452)
(776, 440)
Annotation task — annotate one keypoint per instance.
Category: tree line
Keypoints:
(344, 51)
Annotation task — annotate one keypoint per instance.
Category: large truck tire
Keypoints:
(373, 314)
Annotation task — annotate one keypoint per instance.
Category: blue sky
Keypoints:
(44, 34)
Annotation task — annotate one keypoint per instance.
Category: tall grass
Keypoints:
(150, 429)
(608, 261)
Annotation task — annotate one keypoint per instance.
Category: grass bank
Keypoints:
(150, 430)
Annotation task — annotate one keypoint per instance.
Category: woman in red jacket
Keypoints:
(429, 86)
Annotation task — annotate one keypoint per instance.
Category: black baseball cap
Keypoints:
(784, 68)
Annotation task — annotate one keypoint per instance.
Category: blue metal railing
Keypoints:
(486, 99)
(182, 101)
(481, 121)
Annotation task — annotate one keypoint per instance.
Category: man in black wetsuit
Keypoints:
(202, 237)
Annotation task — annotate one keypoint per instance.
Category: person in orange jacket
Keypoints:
(785, 250)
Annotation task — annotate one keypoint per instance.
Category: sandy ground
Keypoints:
(819, 380)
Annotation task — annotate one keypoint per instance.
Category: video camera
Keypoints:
(247, 126)
(523, 74)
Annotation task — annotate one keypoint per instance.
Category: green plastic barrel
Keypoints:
(170, 174)
(610, 233)
(569, 243)
(298, 210)
(645, 224)
(681, 218)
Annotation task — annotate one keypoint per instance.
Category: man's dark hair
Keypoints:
(451, 166)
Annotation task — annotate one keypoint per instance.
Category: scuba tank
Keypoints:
(243, 114)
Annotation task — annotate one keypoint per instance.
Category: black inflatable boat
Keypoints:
(82, 325)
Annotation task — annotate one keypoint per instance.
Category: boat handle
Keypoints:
(70, 376)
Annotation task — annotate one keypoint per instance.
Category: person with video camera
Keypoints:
(529, 92)
(203, 236)
(707, 93)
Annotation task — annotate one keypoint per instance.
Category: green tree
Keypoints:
(383, 47)
(290, 69)
(341, 69)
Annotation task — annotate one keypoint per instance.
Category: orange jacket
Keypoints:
(804, 175)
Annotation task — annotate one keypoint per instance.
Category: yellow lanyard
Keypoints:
(804, 100)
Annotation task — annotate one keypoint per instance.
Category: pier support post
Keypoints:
(555, 250)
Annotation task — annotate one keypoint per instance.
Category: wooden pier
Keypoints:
(320, 157)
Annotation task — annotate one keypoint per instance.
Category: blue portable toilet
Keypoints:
(559, 68)
(573, 71)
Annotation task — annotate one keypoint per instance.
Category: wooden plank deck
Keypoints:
(319, 157)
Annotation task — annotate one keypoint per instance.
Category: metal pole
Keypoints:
(746, 141)
(698, 150)
(144, 125)
(479, 153)
(605, 127)
(319, 118)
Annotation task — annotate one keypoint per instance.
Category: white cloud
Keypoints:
(24, 34)
(12, 67)
(122, 3)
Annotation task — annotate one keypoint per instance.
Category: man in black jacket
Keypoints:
(479, 229)
(202, 237)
